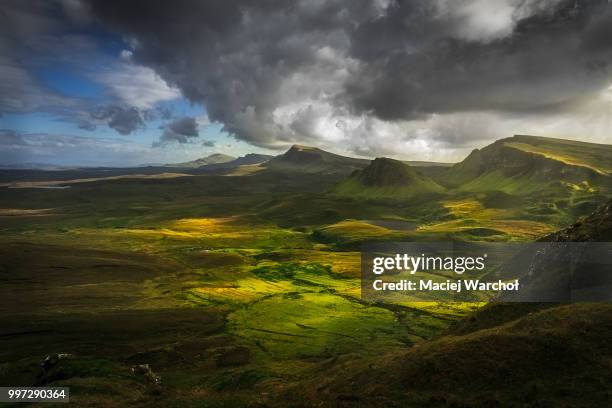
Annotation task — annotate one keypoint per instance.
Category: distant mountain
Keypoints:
(387, 178)
(304, 159)
(36, 166)
(153, 164)
(429, 169)
(250, 159)
(212, 159)
(420, 163)
(525, 163)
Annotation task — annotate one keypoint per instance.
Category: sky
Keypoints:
(122, 83)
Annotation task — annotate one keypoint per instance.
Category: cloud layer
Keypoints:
(414, 79)
(43, 148)
(367, 74)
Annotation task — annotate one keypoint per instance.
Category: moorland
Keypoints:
(236, 282)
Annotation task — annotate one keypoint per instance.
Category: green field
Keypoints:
(171, 274)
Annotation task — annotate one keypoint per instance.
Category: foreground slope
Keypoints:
(553, 357)
(518, 354)
(387, 178)
(559, 270)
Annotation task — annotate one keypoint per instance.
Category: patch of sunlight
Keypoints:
(558, 157)
(241, 290)
(520, 229)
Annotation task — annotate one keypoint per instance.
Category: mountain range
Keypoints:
(302, 159)
(513, 165)
(538, 176)
(562, 171)
(538, 180)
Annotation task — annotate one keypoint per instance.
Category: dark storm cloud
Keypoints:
(370, 75)
(233, 55)
(123, 120)
(208, 143)
(180, 130)
(277, 71)
(550, 61)
(186, 126)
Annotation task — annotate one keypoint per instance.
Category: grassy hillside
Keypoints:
(545, 179)
(558, 356)
(597, 157)
(522, 164)
(387, 179)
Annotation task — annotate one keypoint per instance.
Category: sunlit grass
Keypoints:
(515, 229)
(242, 290)
(470, 215)
(356, 230)
(575, 158)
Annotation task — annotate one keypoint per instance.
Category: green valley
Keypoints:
(240, 283)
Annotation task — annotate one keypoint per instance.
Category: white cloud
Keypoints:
(126, 55)
(136, 86)
(445, 137)
(203, 120)
(488, 20)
